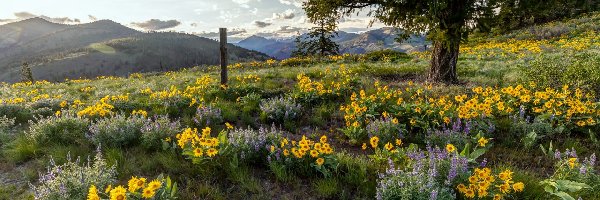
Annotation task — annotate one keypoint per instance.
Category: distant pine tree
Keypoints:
(26, 75)
(319, 41)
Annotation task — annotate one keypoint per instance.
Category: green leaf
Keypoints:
(549, 189)
(564, 196)
(570, 186)
(174, 190)
(477, 153)
(465, 151)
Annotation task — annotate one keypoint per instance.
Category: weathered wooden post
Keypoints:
(223, 34)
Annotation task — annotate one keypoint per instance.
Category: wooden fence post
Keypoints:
(223, 34)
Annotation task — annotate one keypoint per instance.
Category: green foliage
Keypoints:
(280, 172)
(555, 70)
(327, 188)
(385, 55)
(66, 129)
(386, 128)
(249, 145)
(6, 126)
(359, 173)
(280, 109)
(18, 112)
(517, 14)
(319, 41)
(26, 75)
(155, 131)
(117, 130)
(572, 176)
(250, 103)
(560, 188)
(208, 116)
(72, 179)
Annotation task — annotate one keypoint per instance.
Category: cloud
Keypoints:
(242, 3)
(230, 32)
(24, 15)
(228, 16)
(289, 29)
(288, 14)
(92, 18)
(194, 24)
(261, 24)
(156, 24)
(297, 3)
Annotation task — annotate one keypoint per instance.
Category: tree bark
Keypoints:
(443, 63)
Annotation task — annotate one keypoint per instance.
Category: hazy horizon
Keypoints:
(243, 18)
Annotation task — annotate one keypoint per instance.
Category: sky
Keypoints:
(243, 18)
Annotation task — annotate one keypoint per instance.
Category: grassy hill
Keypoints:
(522, 99)
(57, 51)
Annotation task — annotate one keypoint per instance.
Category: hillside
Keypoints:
(57, 51)
(374, 40)
(524, 119)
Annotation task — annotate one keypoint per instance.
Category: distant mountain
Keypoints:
(58, 51)
(277, 49)
(379, 39)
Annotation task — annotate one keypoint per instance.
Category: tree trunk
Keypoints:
(443, 63)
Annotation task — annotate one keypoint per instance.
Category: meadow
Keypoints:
(523, 124)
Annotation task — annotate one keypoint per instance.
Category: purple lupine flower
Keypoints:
(467, 129)
(433, 195)
(557, 155)
(582, 170)
(483, 163)
(522, 112)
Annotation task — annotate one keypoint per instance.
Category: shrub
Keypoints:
(140, 187)
(207, 116)
(67, 128)
(573, 176)
(579, 70)
(117, 130)
(296, 62)
(6, 124)
(20, 113)
(45, 107)
(280, 109)
(154, 131)
(72, 180)
(387, 55)
(387, 129)
(252, 145)
(531, 130)
(429, 175)
(460, 134)
(304, 156)
(250, 103)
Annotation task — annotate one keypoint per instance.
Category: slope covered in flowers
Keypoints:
(343, 127)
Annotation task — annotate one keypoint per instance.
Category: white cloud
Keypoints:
(297, 3)
(228, 16)
(288, 14)
(156, 24)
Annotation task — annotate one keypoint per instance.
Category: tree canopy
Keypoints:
(446, 22)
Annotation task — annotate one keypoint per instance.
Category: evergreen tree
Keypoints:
(319, 41)
(26, 75)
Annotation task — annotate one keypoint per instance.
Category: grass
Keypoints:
(355, 175)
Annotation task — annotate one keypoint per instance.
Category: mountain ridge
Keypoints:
(354, 43)
(104, 47)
